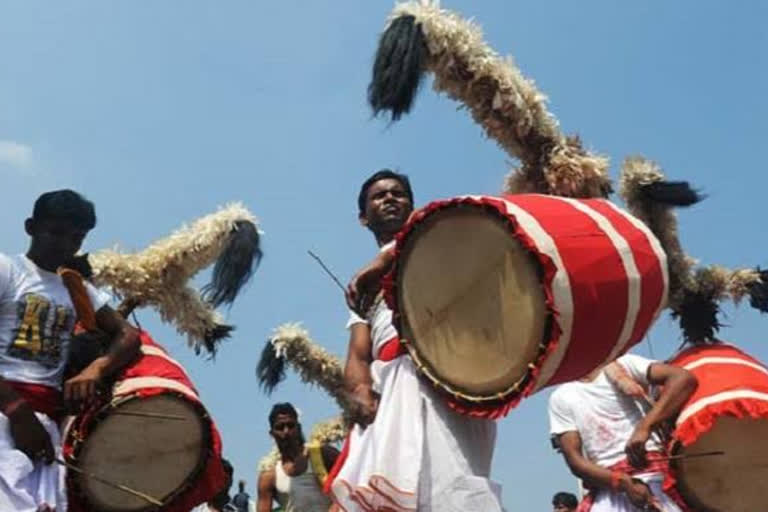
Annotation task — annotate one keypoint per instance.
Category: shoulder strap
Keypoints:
(315, 452)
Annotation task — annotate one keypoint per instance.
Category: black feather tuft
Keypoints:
(672, 193)
(758, 292)
(236, 265)
(698, 318)
(213, 338)
(271, 369)
(398, 68)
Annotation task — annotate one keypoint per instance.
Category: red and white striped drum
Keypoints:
(154, 436)
(498, 297)
(729, 413)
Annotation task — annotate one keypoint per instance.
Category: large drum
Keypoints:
(496, 298)
(728, 413)
(153, 436)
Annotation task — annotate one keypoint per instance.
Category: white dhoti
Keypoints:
(417, 454)
(26, 486)
(605, 501)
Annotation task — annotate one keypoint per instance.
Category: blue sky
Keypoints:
(162, 111)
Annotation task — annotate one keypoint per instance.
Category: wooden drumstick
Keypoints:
(691, 455)
(328, 271)
(150, 415)
(121, 487)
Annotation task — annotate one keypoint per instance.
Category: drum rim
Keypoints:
(98, 415)
(514, 391)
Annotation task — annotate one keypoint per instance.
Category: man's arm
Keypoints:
(595, 476)
(677, 386)
(266, 491)
(29, 435)
(357, 374)
(123, 348)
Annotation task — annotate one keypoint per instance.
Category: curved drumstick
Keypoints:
(124, 488)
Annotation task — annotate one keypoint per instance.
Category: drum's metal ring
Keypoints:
(511, 392)
(99, 415)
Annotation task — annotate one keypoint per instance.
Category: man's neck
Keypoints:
(43, 262)
(292, 453)
(384, 238)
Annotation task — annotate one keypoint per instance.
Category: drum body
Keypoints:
(496, 298)
(153, 436)
(729, 413)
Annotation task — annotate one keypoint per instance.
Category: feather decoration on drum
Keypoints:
(695, 292)
(158, 276)
(421, 37)
(291, 343)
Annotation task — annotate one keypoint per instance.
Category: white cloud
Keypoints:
(15, 154)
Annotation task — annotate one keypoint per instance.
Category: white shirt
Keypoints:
(300, 493)
(603, 416)
(36, 321)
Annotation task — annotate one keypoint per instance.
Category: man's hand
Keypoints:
(365, 403)
(362, 289)
(640, 495)
(29, 435)
(635, 448)
(84, 386)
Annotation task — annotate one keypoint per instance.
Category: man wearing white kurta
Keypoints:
(409, 450)
(607, 439)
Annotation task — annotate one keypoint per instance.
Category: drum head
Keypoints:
(153, 455)
(471, 302)
(732, 482)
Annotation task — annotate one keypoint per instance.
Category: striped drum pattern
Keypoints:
(728, 413)
(603, 274)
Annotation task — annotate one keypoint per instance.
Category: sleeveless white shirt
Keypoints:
(300, 493)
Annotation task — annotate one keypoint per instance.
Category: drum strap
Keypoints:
(315, 453)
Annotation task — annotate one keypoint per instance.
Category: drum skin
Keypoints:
(728, 413)
(498, 297)
(153, 436)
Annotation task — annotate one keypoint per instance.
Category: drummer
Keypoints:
(606, 428)
(408, 450)
(36, 321)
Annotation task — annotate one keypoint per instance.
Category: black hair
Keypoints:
(384, 174)
(282, 408)
(565, 499)
(67, 205)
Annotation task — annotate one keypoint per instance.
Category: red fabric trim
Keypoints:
(334, 472)
(656, 464)
(494, 205)
(44, 399)
(391, 350)
(718, 378)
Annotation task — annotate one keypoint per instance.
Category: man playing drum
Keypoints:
(408, 449)
(296, 480)
(37, 317)
(609, 441)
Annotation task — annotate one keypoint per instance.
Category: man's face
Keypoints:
(387, 206)
(563, 508)
(285, 429)
(57, 239)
